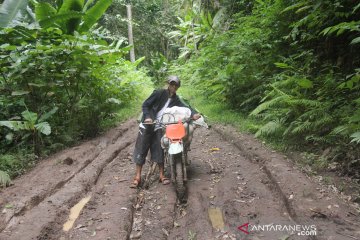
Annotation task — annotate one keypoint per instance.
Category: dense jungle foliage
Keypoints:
(60, 78)
(293, 64)
(293, 67)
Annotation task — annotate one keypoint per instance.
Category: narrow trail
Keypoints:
(233, 181)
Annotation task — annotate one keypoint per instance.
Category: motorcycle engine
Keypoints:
(165, 142)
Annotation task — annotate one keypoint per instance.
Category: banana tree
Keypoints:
(192, 30)
(10, 9)
(71, 15)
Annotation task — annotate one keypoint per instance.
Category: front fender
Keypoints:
(176, 148)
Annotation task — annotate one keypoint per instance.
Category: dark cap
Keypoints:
(173, 78)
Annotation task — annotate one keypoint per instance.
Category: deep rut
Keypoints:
(59, 186)
(233, 181)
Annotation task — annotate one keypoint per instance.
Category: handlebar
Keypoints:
(172, 117)
(167, 123)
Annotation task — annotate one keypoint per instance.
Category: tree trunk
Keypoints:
(130, 32)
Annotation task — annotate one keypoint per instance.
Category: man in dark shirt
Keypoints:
(149, 136)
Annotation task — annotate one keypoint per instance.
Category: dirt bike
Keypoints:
(176, 144)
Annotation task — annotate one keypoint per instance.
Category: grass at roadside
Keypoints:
(311, 163)
(217, 112)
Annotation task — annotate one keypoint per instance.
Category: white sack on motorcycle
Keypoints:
(175, 114)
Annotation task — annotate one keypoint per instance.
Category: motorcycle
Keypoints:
(178, 130)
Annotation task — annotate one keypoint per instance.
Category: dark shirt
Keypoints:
(157, 100)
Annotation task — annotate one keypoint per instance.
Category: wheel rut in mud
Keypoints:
(83, 193)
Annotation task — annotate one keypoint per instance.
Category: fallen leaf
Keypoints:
(214, 149)
(135, 235)
(9, 206)
(79, 226)
(216, 218)
(165, 232)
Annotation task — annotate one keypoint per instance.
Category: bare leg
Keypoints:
(138, 172)
(137, 178)
(163, 179)
(161, 170)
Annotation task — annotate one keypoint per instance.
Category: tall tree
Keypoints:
(151, 21)
(130, 31)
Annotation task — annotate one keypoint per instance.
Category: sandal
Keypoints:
(164, 181)
(135, 183)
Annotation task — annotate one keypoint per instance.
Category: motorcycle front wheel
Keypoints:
(179, 177)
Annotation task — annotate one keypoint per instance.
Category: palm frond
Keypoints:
(301, 127)
(355, 137)
(270, 128)
(305, 102)
(311, 114)
(342, 130)
(322, 122)
(268, 104)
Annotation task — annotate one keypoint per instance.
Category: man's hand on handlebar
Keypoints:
(196, 116)
(148, 120)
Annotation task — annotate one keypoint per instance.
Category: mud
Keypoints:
(237, 189)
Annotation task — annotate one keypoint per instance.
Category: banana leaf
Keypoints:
(9, 9)
(94, 14)
(72, 5)
(44, 11)
(56, 20)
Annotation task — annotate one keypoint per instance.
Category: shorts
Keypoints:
(148, 139)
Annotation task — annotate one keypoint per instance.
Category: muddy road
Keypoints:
(237, 189)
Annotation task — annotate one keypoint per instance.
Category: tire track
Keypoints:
(306, 202)
(54, 203)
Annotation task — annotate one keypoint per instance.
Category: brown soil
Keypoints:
(233, 180)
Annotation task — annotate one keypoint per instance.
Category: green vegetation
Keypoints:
(287, 71)
(60, 80)
(218, 112)
(294, 66)
(131, 109)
